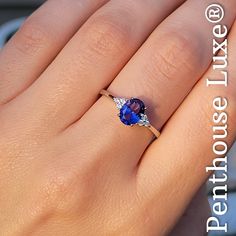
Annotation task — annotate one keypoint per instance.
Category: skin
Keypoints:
(68, 166)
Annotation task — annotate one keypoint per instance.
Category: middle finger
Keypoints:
(89, 62)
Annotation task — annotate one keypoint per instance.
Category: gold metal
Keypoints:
(150, 127)
(154, 131)
(107, 94)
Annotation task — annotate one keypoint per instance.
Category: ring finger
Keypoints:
(162, 73)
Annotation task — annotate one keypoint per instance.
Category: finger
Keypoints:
(162, 91)
(90, 62)
(185, 148)
(38, 41)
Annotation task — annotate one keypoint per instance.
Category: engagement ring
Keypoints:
(132, 112)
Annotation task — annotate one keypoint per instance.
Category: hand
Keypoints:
(68, 166)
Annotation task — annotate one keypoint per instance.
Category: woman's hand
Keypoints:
(67, 164)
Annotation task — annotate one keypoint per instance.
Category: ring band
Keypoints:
(132, 112)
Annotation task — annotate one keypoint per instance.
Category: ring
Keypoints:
(132, 112)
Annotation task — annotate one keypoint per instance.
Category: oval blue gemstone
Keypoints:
(131, 111)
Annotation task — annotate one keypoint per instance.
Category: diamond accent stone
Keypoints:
(120, 102)
(144, 120)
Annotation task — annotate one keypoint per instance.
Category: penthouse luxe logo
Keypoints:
(215, 14)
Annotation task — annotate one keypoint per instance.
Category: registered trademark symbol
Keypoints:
(214, 13)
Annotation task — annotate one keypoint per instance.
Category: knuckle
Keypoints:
(31, 37)
(69, 189)
(176, 56)
(54, 191)
(109, 34)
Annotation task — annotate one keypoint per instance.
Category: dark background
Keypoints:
(12, 14)
(11, 9)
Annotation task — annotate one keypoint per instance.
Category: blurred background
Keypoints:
(13, 13)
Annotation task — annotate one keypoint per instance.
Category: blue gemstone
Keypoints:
(131, 111)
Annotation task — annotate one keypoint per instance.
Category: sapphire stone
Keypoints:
(131, 111)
